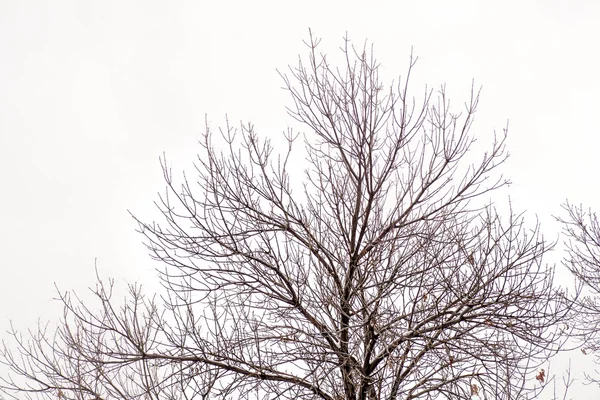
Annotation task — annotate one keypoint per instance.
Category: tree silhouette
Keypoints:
(372, 268)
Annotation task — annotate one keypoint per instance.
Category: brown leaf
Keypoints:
(471, 259)
(474, 390)
(541, 376)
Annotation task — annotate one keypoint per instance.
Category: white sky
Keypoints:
(92, 93)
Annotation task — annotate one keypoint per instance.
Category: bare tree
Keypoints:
(582, 231)
(374, 270)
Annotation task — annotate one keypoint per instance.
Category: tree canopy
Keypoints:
(375, 268)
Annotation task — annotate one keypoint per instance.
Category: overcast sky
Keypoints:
(92, 93)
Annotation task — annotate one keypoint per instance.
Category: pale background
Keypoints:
(92, 93)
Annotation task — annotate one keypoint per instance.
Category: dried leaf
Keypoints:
(471, 259)
(541, 376)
